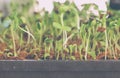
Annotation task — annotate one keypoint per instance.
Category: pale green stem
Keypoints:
(64, 32)
(40, 36)
(86, 49)
(106, 40)
(28, 33)
(13, 40)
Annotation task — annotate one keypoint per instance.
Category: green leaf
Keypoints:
(118, 22)
(66, 28)
(57, 25)
(72, 57)
(93, 23)
(39, 25)
(64, 8)
(48, 40)
(66, 49)
(23, 19)
(92, 54)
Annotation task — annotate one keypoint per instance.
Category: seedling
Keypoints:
(64, 34)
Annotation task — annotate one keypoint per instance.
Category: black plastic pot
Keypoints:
(115, 4)
(59, 69)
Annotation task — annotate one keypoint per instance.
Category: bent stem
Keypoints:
(27, 33)
(77, 17)
(65, 38)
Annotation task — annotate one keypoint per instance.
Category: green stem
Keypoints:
(40, 37)
(64, 32)
(106, 38)
(13, 40)
(87, 44)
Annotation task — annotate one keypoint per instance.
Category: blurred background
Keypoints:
(35, 5)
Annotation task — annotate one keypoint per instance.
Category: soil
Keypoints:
(39, 55)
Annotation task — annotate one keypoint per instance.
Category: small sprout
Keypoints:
(9, 54)
(72, 58)
(93, 54)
